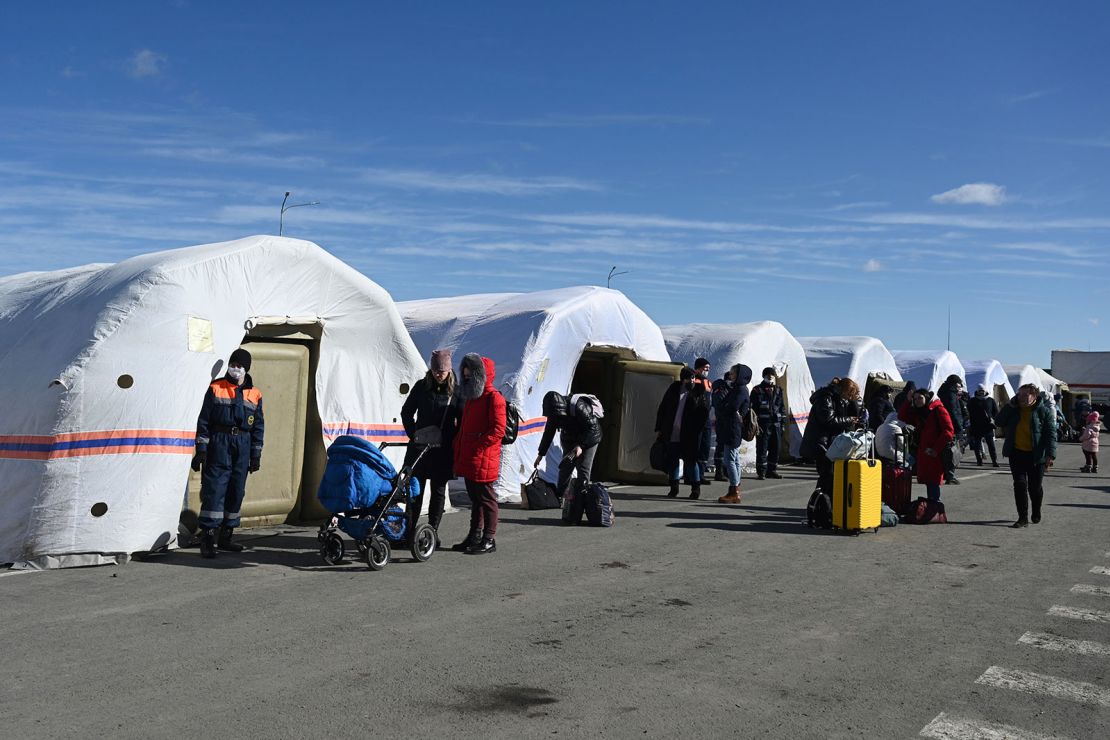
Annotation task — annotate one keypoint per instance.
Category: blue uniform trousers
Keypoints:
(767, 448)
(224, 480)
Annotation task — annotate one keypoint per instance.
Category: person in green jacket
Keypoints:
(1030, 425)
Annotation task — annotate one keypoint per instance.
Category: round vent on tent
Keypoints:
(404, 388)
(125, 381)
(99, 509)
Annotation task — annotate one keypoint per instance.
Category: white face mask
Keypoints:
(237, 374)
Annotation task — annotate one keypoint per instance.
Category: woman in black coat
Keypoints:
(434, 403)
(680, 419)
(579, 424)
(836, 409)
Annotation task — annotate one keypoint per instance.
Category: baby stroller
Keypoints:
(365, 493)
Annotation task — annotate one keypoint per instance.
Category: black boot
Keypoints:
(695, 490)
(224, 542)
(207, 543)
(471, 539)
(482, 547)
(720, 474)
(674, 489)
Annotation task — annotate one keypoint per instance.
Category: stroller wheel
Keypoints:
(332, 549)
(423, 543)
(378, 552)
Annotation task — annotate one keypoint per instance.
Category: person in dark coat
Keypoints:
(702, 366)
(904, 394)
(836, 409)
(578, 419)
(1030, 425)
(680, 420)
(880, 407)
(731, 402)
(766, 400)
(1080, 410)
(981, 411)
(934, 432)
(949, 395)
(432, 412)
(718, 448)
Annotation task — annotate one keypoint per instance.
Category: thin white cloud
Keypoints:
(872, 265)
(221, 155)
(146, 63)
(978, 222)
(650, 221)
(975, 193)
(1026, 97)
(596, 121)
(70, 73)
(473, 183)
(1094, 322)
(860, 204)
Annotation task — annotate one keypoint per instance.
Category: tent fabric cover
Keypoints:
(1019, 375)
(758, 345)
(535, 340)
(928, 368)
(74, 436)
(848, 357)
(990, 373)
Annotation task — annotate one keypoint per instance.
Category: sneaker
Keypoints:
(1085, 469)
(774, 475)
(1019, 524)
(482, 548)
(1094, 468)
(953, 481)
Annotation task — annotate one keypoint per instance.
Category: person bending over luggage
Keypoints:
(880, 407)
(1030, 425)
(836, 409)
(680, 420)
(578, 420)
(478, 451)
(934, 432)
(228, 448)
(766, 400)
(732, 403)
(431, 412)
(981, 411)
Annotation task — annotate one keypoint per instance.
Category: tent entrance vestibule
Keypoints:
(283, 366)
(630, 391)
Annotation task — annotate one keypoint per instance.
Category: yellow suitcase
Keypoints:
(857, 494)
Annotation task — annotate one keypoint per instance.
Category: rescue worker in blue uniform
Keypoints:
(228, 447)
(766, 399)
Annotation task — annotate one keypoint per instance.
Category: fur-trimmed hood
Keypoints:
(482, 374)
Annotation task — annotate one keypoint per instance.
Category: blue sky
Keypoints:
(844, 168)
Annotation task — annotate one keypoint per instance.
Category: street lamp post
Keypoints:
(613, 273)
(284, 208)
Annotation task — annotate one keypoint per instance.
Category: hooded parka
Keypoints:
(935, 432)
(478, 443)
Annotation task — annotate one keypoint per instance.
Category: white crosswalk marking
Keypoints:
(1085, 615)
(1059, 644)
(958, 728)
(1038, 683)
(1102, 570)
(1087, 588)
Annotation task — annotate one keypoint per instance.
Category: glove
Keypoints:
(576, 452)
(255, 464)
(539, 459)
(198, 460)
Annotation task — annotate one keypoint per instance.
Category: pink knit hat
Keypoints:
(441, 360)
(1093, 417)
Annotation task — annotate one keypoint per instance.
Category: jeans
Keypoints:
(767, 448)
(1028, 479)
(932, 491)
(732, 465)
(584, 464)
(484, 509)
(690, 467)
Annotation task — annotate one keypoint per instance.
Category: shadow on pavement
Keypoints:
(1084, 506)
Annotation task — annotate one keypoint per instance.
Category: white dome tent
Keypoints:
(1019, 375)
(579, 339)
(928, 368)
(858, 358)
(758, 345)
(105, 368)
(992, 374)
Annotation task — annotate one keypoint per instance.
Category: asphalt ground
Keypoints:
(686, 619)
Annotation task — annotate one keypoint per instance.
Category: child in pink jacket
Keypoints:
(1088, 440)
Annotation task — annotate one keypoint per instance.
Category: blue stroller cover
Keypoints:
(357, 475)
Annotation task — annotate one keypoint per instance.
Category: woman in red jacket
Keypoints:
(478, 451)
(934, 433)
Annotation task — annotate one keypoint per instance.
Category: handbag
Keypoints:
(850, 445)
(658, 456)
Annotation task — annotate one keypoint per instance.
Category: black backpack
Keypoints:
(598, 505)
(512, 421)
(819, 510)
